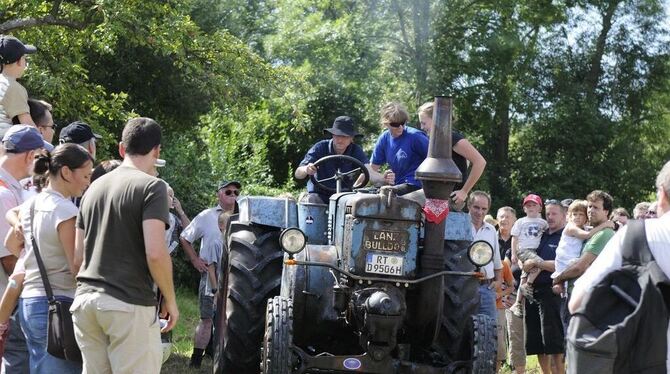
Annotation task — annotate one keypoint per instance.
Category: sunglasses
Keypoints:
(230, 192)
(395, 124)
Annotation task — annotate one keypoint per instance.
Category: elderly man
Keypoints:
(205, 226)
(80, 132)
(658, 237)
(20, 143)
(544, 330)
(479, 203)
(342, 143)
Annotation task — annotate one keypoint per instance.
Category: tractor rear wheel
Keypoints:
(253, 276)
(276, 357)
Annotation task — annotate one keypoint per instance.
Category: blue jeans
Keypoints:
(487, 301)
(33, 313)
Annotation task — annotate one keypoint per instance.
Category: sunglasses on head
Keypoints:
(395, 124)
(552, 202)
(230, 192)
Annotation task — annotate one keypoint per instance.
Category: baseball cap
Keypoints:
(11, 49)
(534, 198)
(77, 132)
(226, 183)
(23, 138)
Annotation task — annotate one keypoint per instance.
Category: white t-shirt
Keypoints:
(51, 209)
(568, 250)
(529, 232)
(206, 226)
(610, 259)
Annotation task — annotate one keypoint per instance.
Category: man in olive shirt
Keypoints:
(121, 241)
(600, 205)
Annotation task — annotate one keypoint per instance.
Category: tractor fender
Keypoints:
(311, 290)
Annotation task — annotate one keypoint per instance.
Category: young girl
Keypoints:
(570, 247)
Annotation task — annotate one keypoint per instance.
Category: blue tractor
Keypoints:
(363, 284)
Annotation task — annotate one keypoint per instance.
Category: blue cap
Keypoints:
(23, 138)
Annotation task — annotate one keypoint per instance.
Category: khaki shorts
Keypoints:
(517, 339)
(115, 336)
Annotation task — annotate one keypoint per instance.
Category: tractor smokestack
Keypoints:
(438, 174)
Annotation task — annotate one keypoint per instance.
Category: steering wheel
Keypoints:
(342, 177)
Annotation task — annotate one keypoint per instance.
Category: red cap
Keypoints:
(534, 198)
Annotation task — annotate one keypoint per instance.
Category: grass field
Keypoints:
(182, 340)
(182, 336)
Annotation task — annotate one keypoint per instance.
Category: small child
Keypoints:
(502, 293)
(13, 96)
(526, 235)
(572, 240)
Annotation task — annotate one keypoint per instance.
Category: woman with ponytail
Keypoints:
(68, 170)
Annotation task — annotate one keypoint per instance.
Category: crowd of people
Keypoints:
(106, 246)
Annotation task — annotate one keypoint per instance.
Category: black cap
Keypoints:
(225, 184)
(343, 126)
(11, 49)
(77, 132)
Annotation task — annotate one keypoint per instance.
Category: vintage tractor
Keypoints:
(364, 284)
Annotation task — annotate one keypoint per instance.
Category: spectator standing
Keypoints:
(478, 206)
(621, 216)
(120, 239)
(13, 96)
(640, 210)
(651, 212)
(342, 143)
(544, 330)
(658, 237)
(515, 328)
(205, 226)
(462, 152)
(53, 226)
(402, 147)
(20, 143)
(502, 293)
(80, 132)
(40, 112)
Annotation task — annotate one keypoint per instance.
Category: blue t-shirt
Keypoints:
(547, 250)
(404, 154)
(325, 148)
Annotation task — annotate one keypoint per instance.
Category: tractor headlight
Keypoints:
(480, 253)
(292, 240)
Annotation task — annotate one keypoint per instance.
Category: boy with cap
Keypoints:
(13, 96)
(205, 226)
(79, 132)
(526, 235)
(342, 143)
(20, 143)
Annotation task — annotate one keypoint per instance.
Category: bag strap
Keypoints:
(40, 264)
(635, 248)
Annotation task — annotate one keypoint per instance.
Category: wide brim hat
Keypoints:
(342, 126)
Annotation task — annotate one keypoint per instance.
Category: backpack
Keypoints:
(621, 326)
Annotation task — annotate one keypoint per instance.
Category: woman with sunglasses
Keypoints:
(402, 147)
(462, 152)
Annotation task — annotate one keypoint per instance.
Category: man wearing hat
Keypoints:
(19, 143)
(13, 96)
(80, 132)
(205, 226)
(342, 143)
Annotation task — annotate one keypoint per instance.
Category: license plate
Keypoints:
(383, 264)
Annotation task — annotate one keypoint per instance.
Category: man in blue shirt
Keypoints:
(403, 148)
(342, 143)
